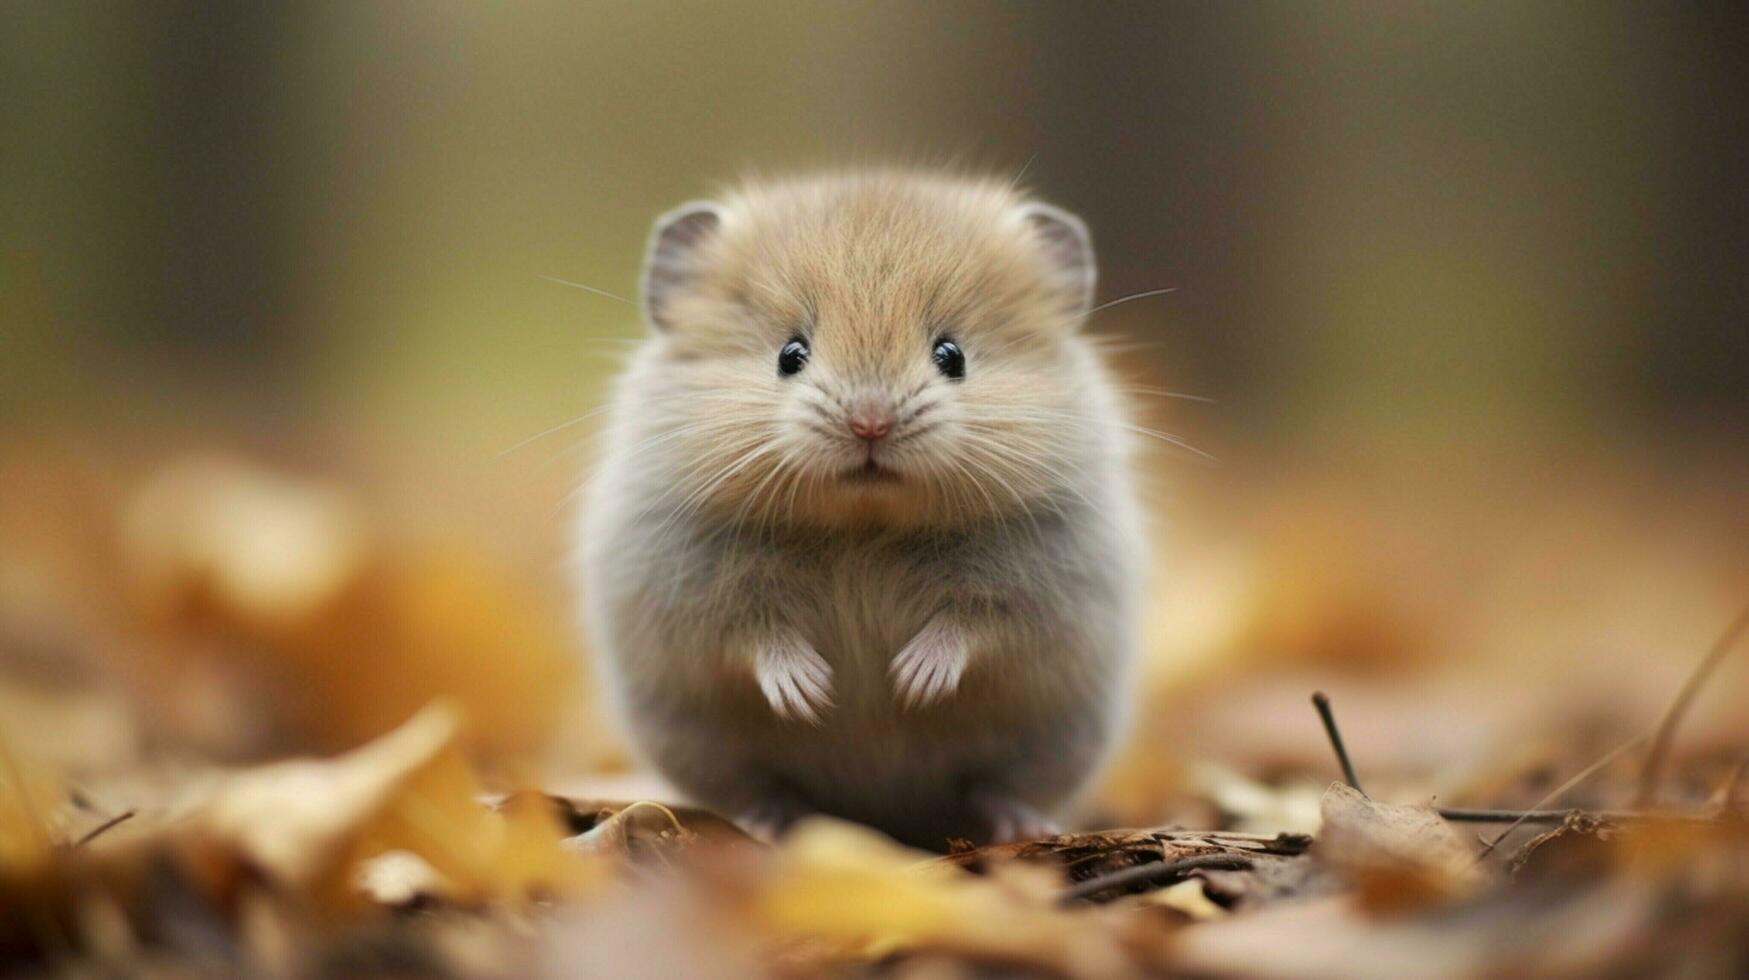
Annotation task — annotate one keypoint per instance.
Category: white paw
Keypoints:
(795, 680)
(930, 666)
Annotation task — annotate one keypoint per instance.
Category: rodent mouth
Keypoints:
(870, 472)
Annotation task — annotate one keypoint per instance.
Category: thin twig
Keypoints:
(1458, 814)
(1322, 703)
(1463, 814)
(103, 828)
(1158, 873)
(1563, 789)
(1654, 770)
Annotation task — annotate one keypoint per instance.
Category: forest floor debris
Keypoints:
(393, 856)
(143, 830)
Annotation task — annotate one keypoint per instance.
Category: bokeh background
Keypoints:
(280, 369)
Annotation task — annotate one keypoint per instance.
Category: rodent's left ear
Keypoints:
(671, 260)
(1068, 249)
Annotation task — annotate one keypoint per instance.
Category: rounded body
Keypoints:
(1033, 716)
(937, 642)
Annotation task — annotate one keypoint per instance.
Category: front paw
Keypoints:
(795, 679)
(930, 666)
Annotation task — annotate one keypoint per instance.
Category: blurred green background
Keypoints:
(1456, 222)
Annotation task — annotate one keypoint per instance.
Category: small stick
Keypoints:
(1158, 873)
(103, 828)
(1464, 814)
(1654, 769)
(1322, 703)
(1562, 790)
(1460, 814)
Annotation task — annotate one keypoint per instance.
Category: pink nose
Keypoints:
(871, 424)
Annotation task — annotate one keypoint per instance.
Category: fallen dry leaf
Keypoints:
(347, 630)
(309, 824)
(1399, 856)
(1190, 899)
(641, 827)
(28, 798)
(848, 886)
(334, 837)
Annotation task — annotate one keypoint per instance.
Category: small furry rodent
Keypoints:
(864, 540)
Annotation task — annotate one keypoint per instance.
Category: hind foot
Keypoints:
(1007, 819)
(770, 818)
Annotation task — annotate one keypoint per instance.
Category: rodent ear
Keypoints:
(670, 261)
(1068, 250)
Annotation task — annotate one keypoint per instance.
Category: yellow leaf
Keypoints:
(311, 824)
(848, 885)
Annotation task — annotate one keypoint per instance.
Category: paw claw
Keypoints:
(930, 666)
(796, 681)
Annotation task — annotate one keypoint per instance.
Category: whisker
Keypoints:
(562, 426)
(1163, 393)
(1131, 297)
(587, 289)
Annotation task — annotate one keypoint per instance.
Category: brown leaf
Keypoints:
(660, 825)
(344, 630)
(1399, 856)
(309, 824)
(853, 888)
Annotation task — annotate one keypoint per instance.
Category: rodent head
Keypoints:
(885, 348)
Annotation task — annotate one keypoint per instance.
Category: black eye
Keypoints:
(950, 359)
(792, 357)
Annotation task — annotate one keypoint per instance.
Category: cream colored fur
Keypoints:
(943, 651)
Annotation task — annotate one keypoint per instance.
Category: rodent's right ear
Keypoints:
(671, 260)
